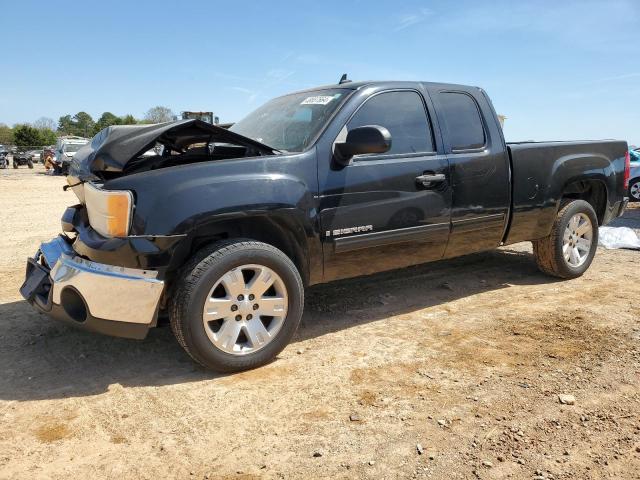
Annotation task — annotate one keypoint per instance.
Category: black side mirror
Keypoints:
(362, 140)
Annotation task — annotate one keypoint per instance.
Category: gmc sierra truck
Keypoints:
(223, 229)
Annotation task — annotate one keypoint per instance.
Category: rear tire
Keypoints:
(567, 252)
(214, 310)
(30, 163)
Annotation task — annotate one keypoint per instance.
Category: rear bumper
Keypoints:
(623, 205)
(102, 298)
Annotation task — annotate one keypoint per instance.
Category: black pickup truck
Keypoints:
(223, 229)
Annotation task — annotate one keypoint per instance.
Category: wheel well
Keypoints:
(592, 191)
(260, 229)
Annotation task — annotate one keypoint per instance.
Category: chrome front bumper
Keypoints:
(104, 298)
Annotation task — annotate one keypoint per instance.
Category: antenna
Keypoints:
(343, 79)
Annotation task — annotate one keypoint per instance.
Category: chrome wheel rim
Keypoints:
(634, 190)
(245, 309)
(577, 238)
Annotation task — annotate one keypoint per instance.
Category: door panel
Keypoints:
(479, 176)
(400, 221)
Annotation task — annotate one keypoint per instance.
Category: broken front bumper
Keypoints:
(112, 300)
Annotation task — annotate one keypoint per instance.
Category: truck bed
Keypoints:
(541, 172)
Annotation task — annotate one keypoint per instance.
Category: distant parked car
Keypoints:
(35, 155)
(634, 176)
(66, 148)
(4, 161)
(21, 158)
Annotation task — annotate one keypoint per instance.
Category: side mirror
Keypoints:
(362, 140)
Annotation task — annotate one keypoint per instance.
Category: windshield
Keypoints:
(73, 147)
(290, 123)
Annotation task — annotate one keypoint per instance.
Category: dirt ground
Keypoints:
(447, 370)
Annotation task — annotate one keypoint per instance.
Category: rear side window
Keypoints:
(462, 118)
(403, 114)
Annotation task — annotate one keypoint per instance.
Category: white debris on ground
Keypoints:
(618, 237)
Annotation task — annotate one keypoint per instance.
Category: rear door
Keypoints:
(480, 171)
(379, 212)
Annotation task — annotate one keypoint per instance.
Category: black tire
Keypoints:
(15, 165)
(632, 182)
(201, 273)
(548, 250)
(30, 163)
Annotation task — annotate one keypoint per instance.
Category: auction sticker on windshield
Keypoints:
(317, 100)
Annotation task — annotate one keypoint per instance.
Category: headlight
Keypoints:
(109, 210)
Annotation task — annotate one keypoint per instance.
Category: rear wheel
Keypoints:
(634, 190)
(237, 305)
(30, 163)
(569, 250)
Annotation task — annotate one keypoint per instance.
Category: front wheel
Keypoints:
(567, 252)
(634, 190)
(30, 164)
(237, 305)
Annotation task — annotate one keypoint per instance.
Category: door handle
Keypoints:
(430, 180)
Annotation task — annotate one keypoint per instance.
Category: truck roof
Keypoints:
(389, 84)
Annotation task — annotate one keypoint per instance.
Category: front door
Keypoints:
(391, 210)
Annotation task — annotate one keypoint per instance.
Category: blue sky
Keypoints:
(556, 69)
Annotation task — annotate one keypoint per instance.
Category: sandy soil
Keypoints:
(447, 370)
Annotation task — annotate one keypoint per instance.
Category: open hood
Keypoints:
(113, 147)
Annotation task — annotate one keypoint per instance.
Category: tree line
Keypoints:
(45, 131)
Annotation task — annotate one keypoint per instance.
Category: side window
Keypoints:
(463, 121)
(403, 114)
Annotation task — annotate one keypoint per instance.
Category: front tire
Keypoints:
(237, 305)
(567, 252)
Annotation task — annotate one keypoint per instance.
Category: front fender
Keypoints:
(206, 200)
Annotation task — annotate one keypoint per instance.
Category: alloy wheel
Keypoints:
(634, 190)
(576, 242)
(245, 309)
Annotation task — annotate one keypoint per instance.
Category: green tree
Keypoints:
(26, 135)
(129, 120)
(47, 136)
(66, 125)
(107, 119)
(84, 124)
(6, 134)
(159, 114)
(81, 124)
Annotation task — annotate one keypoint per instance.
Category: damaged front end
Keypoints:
(109, 285)
(126, 149)
(102, 298)
(107, 272)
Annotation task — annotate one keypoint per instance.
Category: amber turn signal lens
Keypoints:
(118, 207)
(109, 210)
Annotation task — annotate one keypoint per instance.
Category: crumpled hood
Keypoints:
(113, 147)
